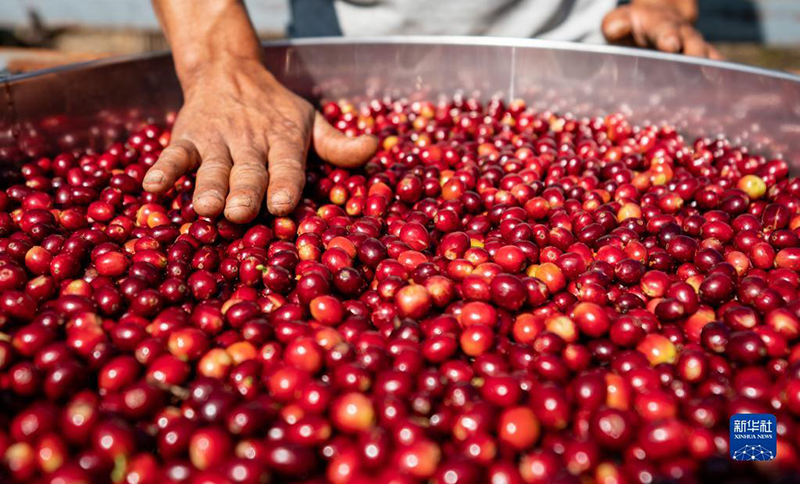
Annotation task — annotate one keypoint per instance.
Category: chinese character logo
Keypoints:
(753, 437)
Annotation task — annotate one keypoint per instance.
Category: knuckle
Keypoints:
(251, 170)
(249, 154)
(215, 164)
(183, 145)
(212, 179)
(693, 35)
(287, 180)
(168, 163)
(290, 132)
(171, 163)
(288, 125)
(250, 188)
(286, 164)
(180, 148)
(250, 176)
(298, 138)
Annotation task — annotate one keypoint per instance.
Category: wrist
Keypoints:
(226, 74)
(207, 34)
(193, 67)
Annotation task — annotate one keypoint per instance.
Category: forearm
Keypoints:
(203, 33)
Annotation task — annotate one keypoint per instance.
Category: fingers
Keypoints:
(287, 175)
(666, 38)
(715, 54)
(695, 45)
(245, 173)
(211, 184)
(617, 24)
(693, 42)
(248, 182)
(176, 159)
(659, 28)
(338, 149)
(689, 10)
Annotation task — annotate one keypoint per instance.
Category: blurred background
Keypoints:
(36, 34)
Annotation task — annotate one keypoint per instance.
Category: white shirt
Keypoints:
(573, 20)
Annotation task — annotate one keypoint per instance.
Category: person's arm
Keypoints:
(246, 133)
(667, 25)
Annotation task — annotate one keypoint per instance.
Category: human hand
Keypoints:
(658, 24)
(247, 135)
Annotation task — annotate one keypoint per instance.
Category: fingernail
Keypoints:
(154, 177)
(241, 201)
(281, 198)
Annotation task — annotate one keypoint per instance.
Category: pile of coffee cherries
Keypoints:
(499, 296)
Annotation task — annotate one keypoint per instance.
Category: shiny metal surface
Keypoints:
(756, 107)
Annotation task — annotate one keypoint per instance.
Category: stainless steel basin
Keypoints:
(94, 102)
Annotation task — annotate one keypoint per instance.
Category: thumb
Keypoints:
(617, 25)
(339, 149)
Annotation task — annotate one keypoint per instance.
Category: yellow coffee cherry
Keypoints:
(753, 186)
